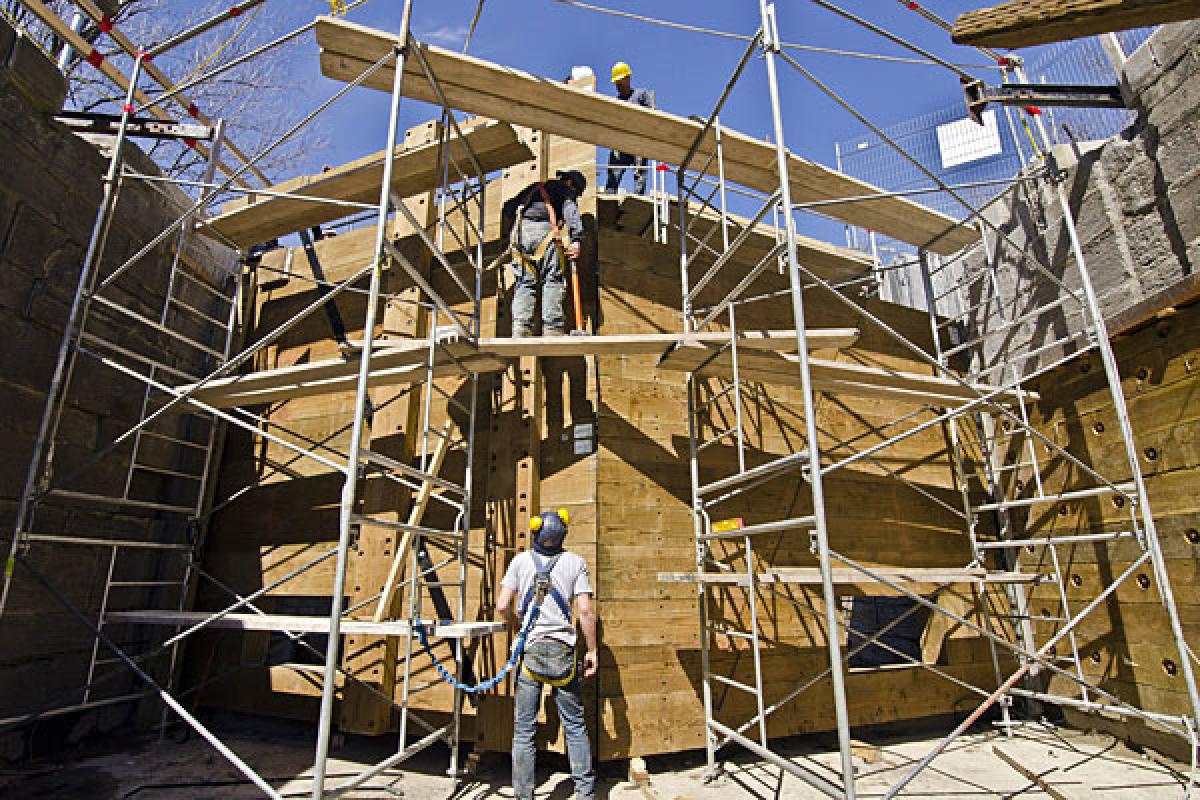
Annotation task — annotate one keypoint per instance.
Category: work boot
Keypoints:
(553, 331)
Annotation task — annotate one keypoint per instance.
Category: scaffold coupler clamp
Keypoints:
(770, 31)
(812, 542)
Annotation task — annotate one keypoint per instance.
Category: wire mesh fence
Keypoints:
(977, 160)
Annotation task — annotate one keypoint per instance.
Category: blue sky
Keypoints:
(687, 70)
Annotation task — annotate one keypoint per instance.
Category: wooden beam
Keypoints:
(253, 219)
(1022, 23)
(297, 624)
(827, 260)
(834, 377)
(481, 87)
(404, 362)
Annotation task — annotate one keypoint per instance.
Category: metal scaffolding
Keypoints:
(172, 449)
(1001, 461)
(172, 351)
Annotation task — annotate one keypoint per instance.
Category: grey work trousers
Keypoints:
(549, 279)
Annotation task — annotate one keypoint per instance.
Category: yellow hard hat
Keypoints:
(620, 70)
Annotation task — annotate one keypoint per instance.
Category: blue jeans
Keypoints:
(550, 657)
(549, 276)
(618, 164)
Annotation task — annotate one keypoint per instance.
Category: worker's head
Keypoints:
(622, 77)
(549, 531)
(573, 178)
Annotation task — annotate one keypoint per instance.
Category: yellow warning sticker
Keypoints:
(726, 525)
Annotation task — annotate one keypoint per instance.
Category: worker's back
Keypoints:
(568, 578)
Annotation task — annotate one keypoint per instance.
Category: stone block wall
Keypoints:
(50, 189)
(1135, 199)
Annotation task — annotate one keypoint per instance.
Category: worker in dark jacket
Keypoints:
(540, 214)
(618, 162)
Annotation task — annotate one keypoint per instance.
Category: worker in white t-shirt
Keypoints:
(550, 648)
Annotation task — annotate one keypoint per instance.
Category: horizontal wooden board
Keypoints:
(258, 218)
(1024, 23)
(400, 362)
(296, 624)
(481, 87)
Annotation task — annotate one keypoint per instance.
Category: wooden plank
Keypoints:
(481, 87)
(828, 260)
(834, 377)
(254, 218)
(300, 624)
(1023, 23)
(401, 362)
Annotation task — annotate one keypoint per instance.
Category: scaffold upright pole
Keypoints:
(771, 46)
(350, 487)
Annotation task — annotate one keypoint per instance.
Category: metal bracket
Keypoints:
(143, 127)
(978, 95)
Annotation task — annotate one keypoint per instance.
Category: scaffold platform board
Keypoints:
(481, 87)
(295, 624)
(260, 217)
(834, 377)
(395, 363)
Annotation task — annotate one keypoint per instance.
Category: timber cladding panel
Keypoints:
(1126, 644)
(606, 438)
(650, 687)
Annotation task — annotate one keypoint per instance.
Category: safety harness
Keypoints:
(530, 609)
(530, 261)
(542, 587)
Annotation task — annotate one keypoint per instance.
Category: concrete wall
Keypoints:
(1136, 202)
(50, 189)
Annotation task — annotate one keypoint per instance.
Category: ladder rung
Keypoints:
(427, 584)
(778, 465)
(123, 502)
(433, 533)
(765, 527)
(738, 635)
(390, 464)
(735, 684)
(198, 313)
(205, 285)
(1056, 498)
(1055, 540)
(142, 584)
(1031, 617)
(164, 471)
(174, 439)
(163, 329)
(718, 438)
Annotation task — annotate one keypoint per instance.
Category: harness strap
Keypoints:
(556, 683)
(531, 260)
(543, 586)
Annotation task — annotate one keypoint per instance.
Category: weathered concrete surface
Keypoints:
(1135, 199)
(50, 189)
(1078, 766)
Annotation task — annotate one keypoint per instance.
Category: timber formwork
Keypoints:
(1011, 589)
(849, 439)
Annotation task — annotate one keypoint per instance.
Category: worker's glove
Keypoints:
(573, 250)
(590, 663)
